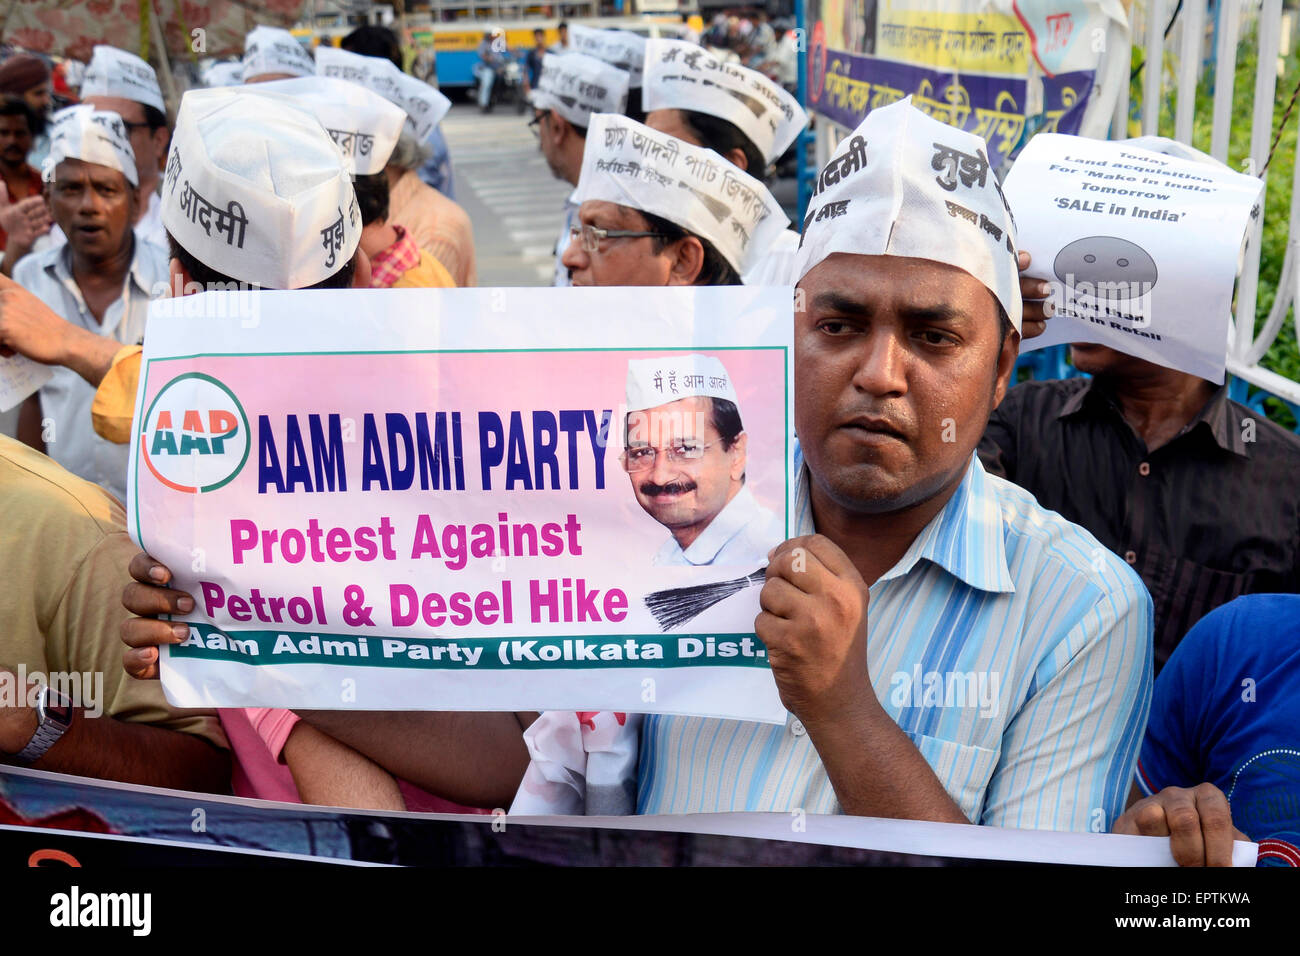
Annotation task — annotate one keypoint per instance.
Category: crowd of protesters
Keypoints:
(1122, 549)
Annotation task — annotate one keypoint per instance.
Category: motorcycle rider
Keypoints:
(491, 58)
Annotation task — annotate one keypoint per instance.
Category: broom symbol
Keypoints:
(676, 606)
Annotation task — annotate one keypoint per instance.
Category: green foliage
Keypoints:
(1284, 355)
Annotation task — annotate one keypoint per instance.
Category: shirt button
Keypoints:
(797, 727)
(1131, 557)
(1144, 469)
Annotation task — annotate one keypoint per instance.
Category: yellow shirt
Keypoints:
(64, 553)
(113, 408)
(429, 273)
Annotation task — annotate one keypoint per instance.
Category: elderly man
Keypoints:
(570, 89)
(654, 210)
(99, 281)
(124, 84)
(684, 455)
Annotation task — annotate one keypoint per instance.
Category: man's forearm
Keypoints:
(477, 759)
(877, 771)
(329, 773)
(88, 354)
(111, 749)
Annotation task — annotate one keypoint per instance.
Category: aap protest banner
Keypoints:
(418, 499)
(1141, 247)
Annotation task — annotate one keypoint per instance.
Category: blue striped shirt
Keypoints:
(1011, 647)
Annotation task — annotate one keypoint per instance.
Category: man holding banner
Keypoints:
(902, 349)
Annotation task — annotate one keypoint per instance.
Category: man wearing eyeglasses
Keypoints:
(685, 457)
(570, 88)
(654, 210)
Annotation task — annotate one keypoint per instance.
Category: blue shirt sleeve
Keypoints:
(1173, 749)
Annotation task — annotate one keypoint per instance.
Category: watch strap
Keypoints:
(50, 726)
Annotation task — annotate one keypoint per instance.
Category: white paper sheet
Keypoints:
(1141, 248)
(19, 377)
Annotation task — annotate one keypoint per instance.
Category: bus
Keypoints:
(455, 43)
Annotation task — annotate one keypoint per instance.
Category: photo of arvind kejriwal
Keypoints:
(685, 448)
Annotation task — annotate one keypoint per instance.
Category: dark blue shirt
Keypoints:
(1226, 709)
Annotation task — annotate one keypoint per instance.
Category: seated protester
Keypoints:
(1225, 729)
(272, 53)
(741, 114)
(570, 89)
(122, 83)
(63, 554)
(636, 229)
(435, 223)
(914, 559)
(1194, 490)
(366, 127)
(99, 282)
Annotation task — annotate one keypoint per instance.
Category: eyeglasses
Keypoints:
(132, 127)
(642, 457)
(534, 124)
(591, 236)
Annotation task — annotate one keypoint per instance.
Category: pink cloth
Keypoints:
(257, 737)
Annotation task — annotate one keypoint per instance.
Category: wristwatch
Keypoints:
(54, 717)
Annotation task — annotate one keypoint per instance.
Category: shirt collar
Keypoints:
(61, 266)
(726, 524)
(1219, 415)
(139, 275)
(966, 538)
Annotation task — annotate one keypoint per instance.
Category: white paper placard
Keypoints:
(1141, 248)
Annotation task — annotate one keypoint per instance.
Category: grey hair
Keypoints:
(410, 153)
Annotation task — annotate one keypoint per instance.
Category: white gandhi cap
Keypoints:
(261, 195)
(904, 184)
(576, 86)
(681, 75)
(92, 136)
(363, 124)
(271, 50)
(114, 72)
(657, 381)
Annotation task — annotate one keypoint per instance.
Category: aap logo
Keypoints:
(195, 436)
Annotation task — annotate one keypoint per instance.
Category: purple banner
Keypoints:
(845, 87)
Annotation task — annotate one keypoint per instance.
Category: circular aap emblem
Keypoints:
(195, 436)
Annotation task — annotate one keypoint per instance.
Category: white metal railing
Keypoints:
(1190, 40)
